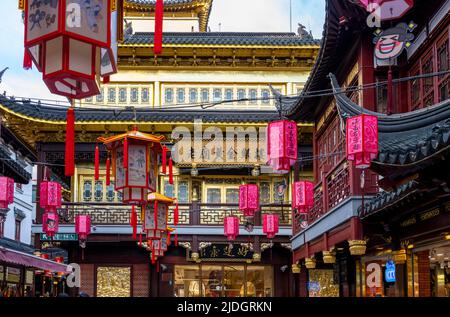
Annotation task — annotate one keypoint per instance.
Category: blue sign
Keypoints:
(60, 237)
(314, 286)
(389, 274)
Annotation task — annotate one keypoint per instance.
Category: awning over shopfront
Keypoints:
(29, 260)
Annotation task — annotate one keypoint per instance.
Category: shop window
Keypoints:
(98, 193)
(100, 96)
(17, 230)
(265, 95)
(444, 90)
(168, 96)
(217, 95)
(279, 190)
(87, 190)
(228, 94)
(322, 283)
(382, 95)
(443, 57)
(112, 95)
(180, 95)
(241, 96)
(415, 92)
(183, 192)
(134, 95)
(122, 95)
(427, 68)
(253, 95)
(113, 281)
(187, 281)
(204, 94)
(259, 281)
(193, 95)
(145, 95)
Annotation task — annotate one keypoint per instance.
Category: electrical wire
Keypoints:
(303, 95)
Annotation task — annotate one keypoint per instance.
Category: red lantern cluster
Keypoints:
(302, 196)
(6, 191)
(70, 42)
(282, 145)
(249, 199)
(231, 227)
(83, 228)
(270, 225)
(362, 139)
(50, 201)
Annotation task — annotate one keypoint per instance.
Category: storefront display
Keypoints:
(239, 280)
(322, 283)
(113, 281)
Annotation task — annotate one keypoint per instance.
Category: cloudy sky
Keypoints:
(233, 15)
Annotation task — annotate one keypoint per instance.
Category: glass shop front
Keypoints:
(223, 280)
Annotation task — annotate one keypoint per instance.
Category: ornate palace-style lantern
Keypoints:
(270, 225)
(134, 164)
(282, 145)
(50, 196)
(231, 227)
(6, 196)
(83, 228)
(362, 139)
(64, 39)
(155, 215)
(249, 199)
(303, 196)
(50, 223)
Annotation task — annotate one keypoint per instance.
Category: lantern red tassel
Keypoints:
(175, 242)
(106, 80)
(153, 257)
(140, 238)
(27, 61)
(176, 215)
(164, 159)
(96, 163)
(69, 169)
(169, 238)
(170, 171)
(134, 221)
(108, 171)
(159, 12)
(125, 153)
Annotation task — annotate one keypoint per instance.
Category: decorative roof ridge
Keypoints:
(290, 34)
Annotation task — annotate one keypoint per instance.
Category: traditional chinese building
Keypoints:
(345, 249)
(205, 86)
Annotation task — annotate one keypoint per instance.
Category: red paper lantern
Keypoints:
(83, 228)
(282, 145)
(6, 191)
(303, 196)
(362, 139)
(134, 164)
(64, 39)
(249, 199)
(231, 227)
(156, 213)
(270, 225)
(50, 223)
(50, 196)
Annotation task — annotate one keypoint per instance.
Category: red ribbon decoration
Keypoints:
(134, 221)
(175, 215)
(125, 153)
(108, 171)
(164, 159)
(170, 171)
(27, 60)
(157, 40)
(69, 169)
(96, 163)
(175, 242)
(140, 238)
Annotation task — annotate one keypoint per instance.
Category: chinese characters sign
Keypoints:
(226, 252)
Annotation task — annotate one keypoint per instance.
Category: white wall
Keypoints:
(22, 202)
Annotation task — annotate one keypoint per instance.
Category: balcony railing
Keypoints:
(189, 214)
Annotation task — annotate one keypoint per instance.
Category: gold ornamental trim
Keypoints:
(328, 257)
(357, 247)
(296, 269)
(310, 263)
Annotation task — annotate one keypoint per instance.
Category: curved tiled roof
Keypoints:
(222, 38)
(404, 138)
(153, 2)
(386, 198)
(57, 114)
